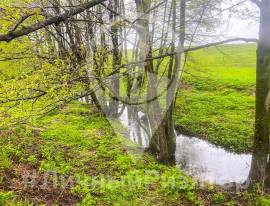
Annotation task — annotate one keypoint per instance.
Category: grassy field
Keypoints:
(217, 96)
(87, 164)
(79, 145)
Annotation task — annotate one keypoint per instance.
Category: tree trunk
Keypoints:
(115, 82)
(173, 77)
(158, 143)
(261, 138)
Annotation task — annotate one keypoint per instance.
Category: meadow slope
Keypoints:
(216, 100)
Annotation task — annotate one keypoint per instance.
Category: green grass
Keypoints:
(91, 165)
(79, 143)
(216, 100)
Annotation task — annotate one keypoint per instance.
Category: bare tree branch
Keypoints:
(133, 22)
(49, 21)
(220, 43)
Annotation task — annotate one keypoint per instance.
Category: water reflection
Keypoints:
(137, 124)
(207, 162)
(200, 159)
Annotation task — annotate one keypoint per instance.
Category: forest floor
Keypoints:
(217, 97)
(73, 157)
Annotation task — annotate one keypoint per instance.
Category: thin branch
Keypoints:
(41, 93)
(133, 22)
(221, 42)
(23, 18)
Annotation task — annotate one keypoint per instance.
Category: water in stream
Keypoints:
(199, 158)
(207, 162)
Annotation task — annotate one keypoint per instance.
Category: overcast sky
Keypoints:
(237, 27)
(242, 28)
(237, 23)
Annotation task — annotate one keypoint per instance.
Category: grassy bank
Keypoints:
(216, 99)
(87, 164)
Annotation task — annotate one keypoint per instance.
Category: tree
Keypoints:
(115, 82)
(12, 34)
(174, 75)
(259, 173)
(152, 107)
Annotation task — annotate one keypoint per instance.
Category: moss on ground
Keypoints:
(217, 97)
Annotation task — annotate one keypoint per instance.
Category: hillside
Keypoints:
(217, 97)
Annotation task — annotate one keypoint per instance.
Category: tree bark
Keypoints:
(115, 82)
(258, 171)
(158, 143)
(173, 77)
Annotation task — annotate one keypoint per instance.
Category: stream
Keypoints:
(202, 160)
